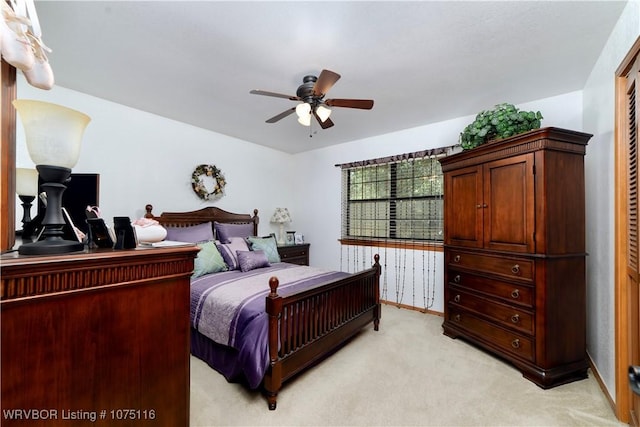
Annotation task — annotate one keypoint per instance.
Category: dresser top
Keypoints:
(13, 258)
(25, 277)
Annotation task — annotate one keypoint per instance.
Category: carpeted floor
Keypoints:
(406, 374)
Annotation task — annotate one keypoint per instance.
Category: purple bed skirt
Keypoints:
(220, 357)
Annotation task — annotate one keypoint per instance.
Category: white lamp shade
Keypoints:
(26, 182)
(281, 216)
(53, 133)
(323, 113)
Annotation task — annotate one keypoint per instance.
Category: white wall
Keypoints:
(598, 116)
(143, 158)
(318, 211)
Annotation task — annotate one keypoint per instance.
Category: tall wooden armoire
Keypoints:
(515, 252)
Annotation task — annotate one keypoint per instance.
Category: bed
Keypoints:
(264, 325)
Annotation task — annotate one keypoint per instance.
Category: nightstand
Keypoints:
(295, 254)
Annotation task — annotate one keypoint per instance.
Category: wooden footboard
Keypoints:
(305, 327)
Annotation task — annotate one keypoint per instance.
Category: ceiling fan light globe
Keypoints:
(305, 120)
(303, 110)
(323, 113)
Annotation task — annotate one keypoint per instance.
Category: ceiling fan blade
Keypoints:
(325, 81)
(277, 95)
(364, 104)
(324, 125)
(281, 115)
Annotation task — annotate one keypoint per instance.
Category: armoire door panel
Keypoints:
(509, 213)
(463, 211)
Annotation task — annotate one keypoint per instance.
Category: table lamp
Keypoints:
(53, 135)
(27, 190)
(281, 216)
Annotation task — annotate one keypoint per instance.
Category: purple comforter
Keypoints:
(229, 309)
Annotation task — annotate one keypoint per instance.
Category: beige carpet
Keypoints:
(406, 374)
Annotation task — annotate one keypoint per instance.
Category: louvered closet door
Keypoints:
(633, 250)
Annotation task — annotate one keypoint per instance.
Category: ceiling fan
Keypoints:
(312, 92)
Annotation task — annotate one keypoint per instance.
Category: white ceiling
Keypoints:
(421, 61)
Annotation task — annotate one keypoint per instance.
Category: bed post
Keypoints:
(256, 221)
(273, 379)
(378, 309)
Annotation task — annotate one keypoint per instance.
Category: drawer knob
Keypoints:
(515, 294)
(515, 343)
(456, 258)
(457, 278)
(515, 318)
(456, 298)
(457, 317)
(515, 269)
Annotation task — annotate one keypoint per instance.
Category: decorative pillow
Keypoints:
(193, 234)
(228, 251)
(250, 260)
(208, 260)
(224, 232)
(266, 244)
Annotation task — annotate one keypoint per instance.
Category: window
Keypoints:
(398, 198)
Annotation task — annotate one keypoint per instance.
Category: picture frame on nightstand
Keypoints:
(298, 238)
(290, 238)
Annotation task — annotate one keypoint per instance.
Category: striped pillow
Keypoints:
(228, 251)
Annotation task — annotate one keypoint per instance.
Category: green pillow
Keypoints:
(266, 244)
(208, 260)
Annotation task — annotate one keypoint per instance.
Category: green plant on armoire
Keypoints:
(503, 121)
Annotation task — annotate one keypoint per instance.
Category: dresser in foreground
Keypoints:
(97, 337)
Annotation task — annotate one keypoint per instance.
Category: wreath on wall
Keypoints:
(199, 186)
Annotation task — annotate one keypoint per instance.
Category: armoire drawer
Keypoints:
(507, 315)
(511, 293)
(512, 342)
(507, 267)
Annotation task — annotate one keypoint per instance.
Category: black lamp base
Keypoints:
(27, 224)
(50, 247)
(54, 178)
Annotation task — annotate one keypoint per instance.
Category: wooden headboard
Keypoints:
(186, 219)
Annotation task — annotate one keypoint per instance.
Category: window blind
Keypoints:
(394, 198)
